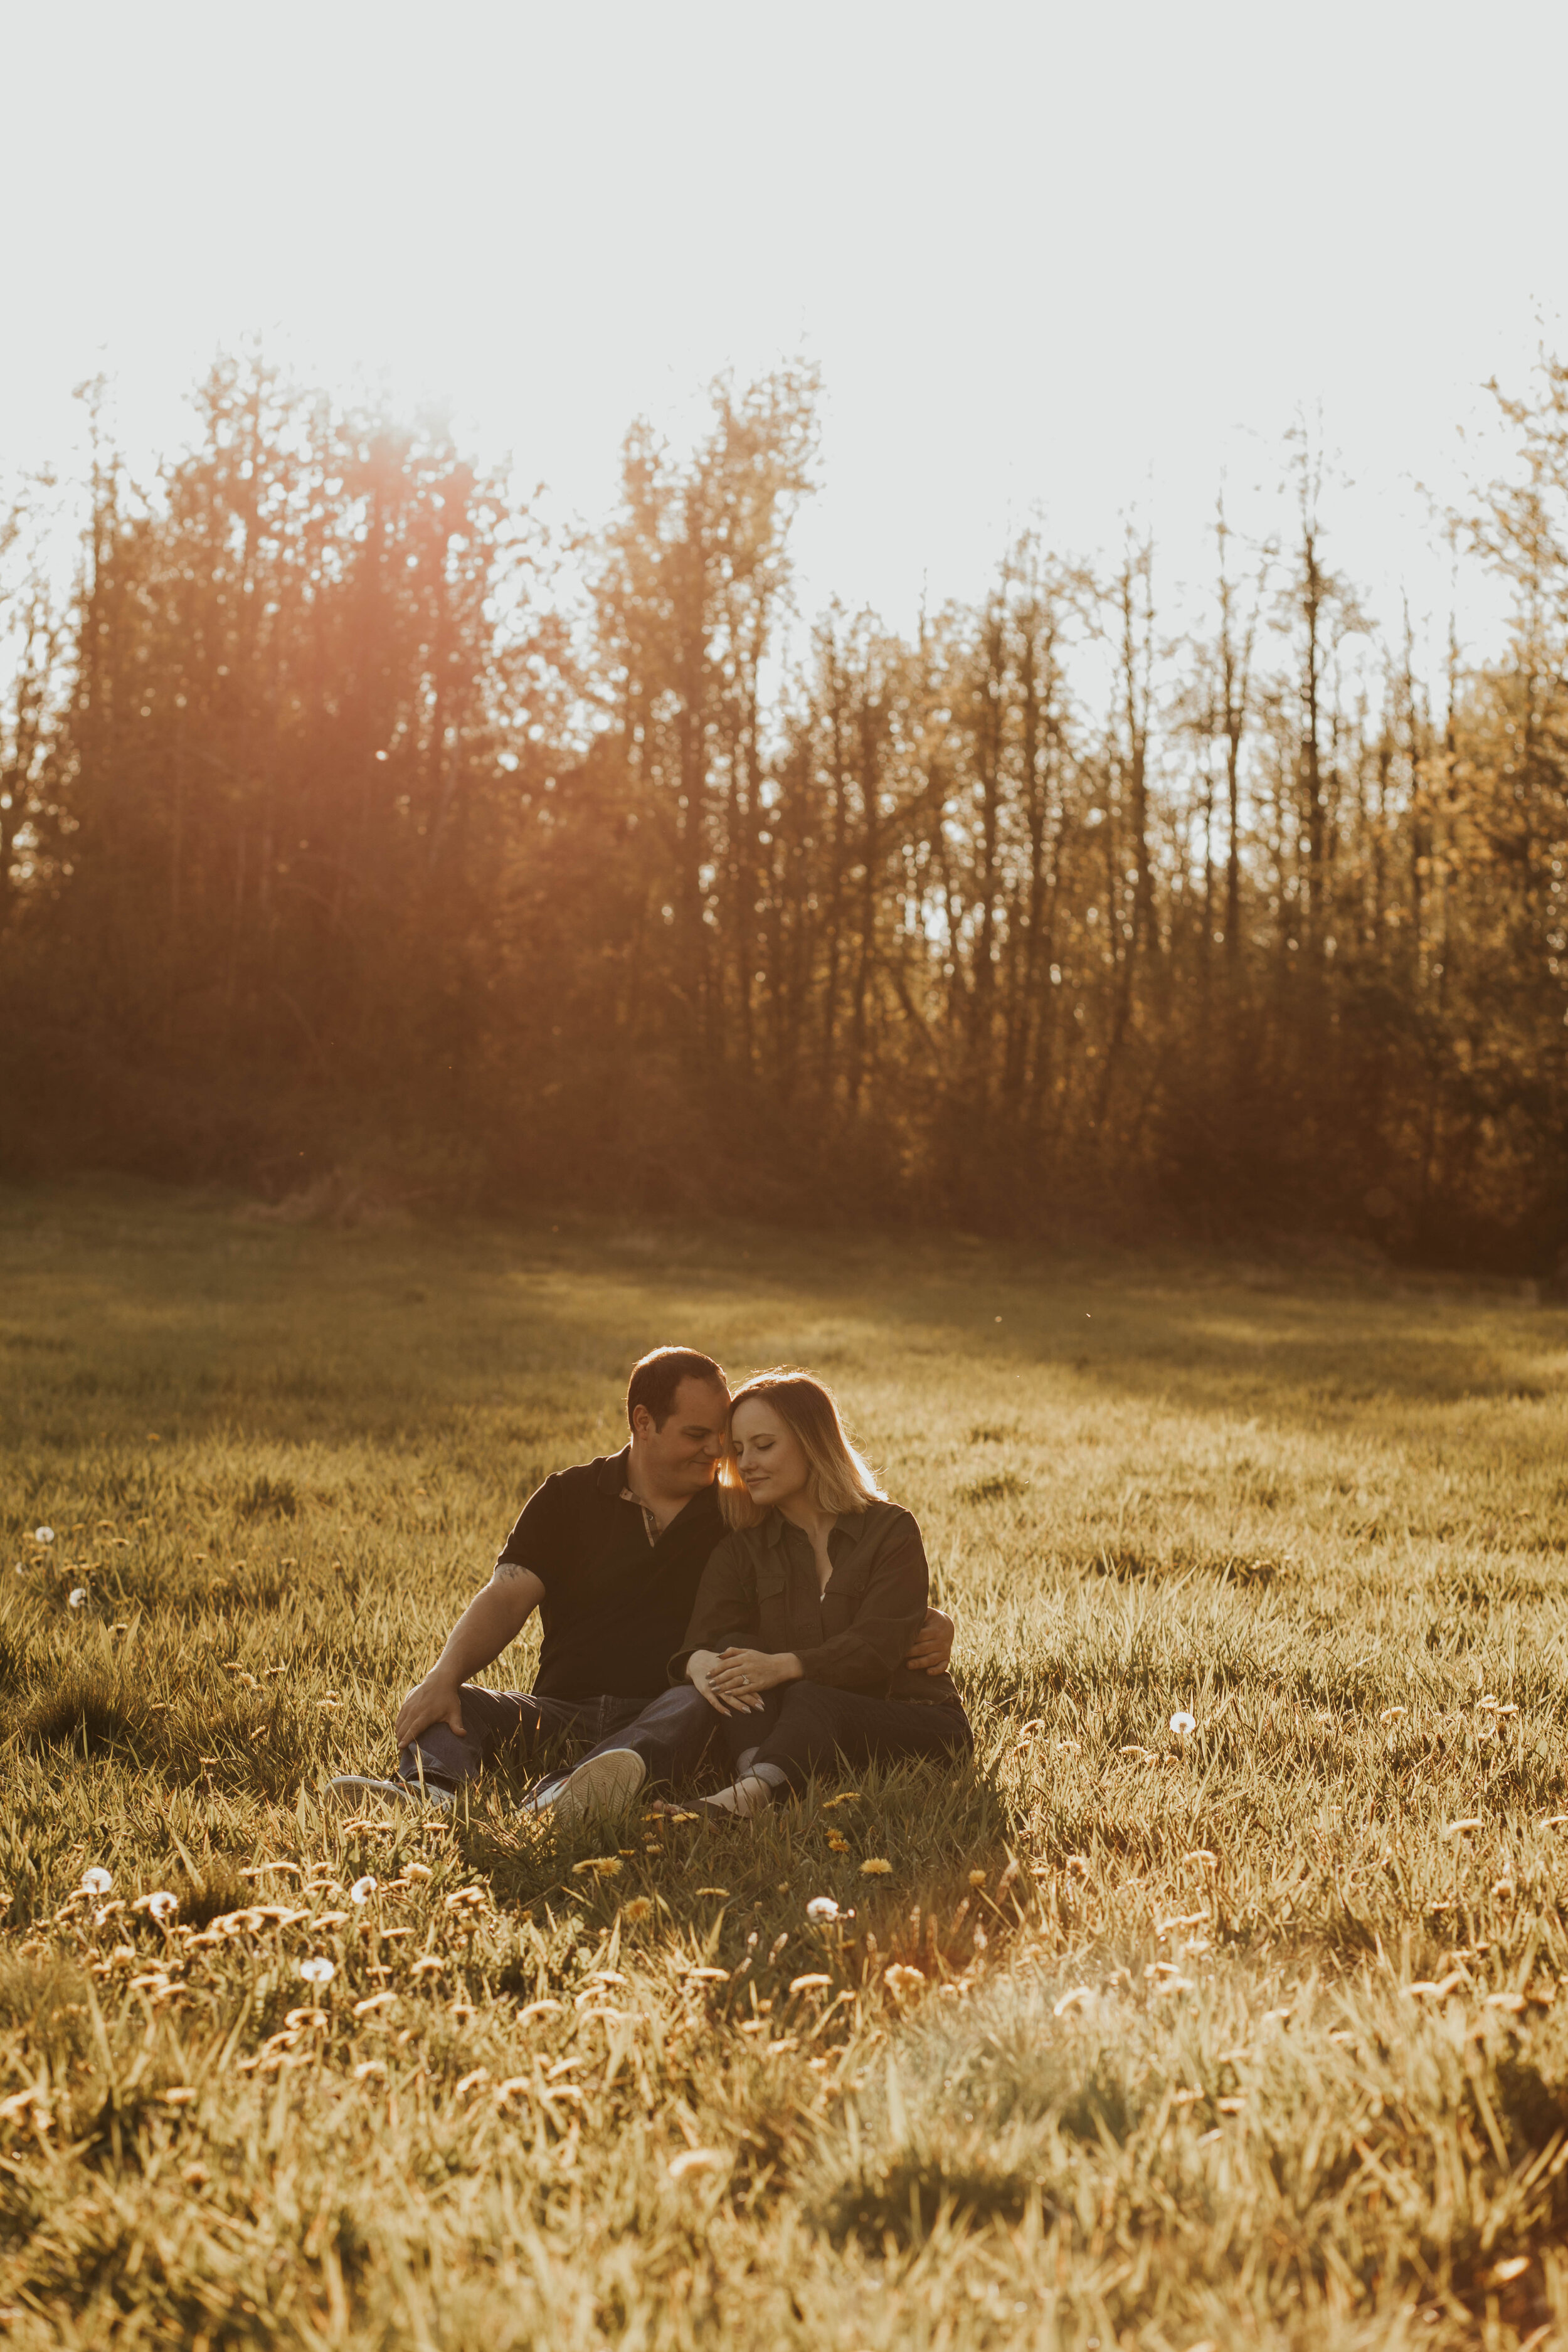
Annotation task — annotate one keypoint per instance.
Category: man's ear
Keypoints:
(643, 1423)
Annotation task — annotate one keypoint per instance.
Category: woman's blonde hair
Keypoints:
(841, 1480)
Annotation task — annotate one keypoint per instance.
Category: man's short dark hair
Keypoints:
(654, 1380)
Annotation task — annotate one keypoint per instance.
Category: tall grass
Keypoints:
(1245, 2034)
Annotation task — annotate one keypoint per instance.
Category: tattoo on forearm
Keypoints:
(507, 1571)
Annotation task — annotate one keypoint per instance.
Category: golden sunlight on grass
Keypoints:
(1219, 2004)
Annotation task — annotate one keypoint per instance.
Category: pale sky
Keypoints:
(1057, 259)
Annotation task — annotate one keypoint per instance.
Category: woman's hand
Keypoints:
(701, 1667)
(437, 1699)
(739, 1674)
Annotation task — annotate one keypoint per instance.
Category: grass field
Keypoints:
(1250, 2036)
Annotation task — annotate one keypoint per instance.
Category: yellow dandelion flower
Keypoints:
(876, 1868)
(637, 1908)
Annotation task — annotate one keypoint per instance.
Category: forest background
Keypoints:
(351, 821)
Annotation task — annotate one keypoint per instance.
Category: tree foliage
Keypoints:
(330, 825)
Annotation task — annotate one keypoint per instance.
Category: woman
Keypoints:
(807, 1607)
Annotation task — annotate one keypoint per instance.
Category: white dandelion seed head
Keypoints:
(163, 1906)
(97, 1881)
(1182, 1723)
(43, 1535)
(319, 1971)
(362, 1890)
(821, 1906)
(79, 1599)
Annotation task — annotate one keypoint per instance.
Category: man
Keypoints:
(610, 1554)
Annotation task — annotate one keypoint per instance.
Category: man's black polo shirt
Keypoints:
(615, 1606)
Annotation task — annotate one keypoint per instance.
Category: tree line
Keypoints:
(345, 818)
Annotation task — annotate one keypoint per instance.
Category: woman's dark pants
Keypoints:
(803, 1728)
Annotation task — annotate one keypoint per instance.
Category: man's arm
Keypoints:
(492, 1619)
(932, 1644)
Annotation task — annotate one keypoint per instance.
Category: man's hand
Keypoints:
(492, 1619)
(437, 1699)
(701, 1667)
(932, 1645)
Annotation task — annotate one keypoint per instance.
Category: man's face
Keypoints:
(683, 1454)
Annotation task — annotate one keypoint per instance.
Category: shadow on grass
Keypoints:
(88, 1717)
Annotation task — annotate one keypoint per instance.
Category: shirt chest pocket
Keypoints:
(775, 1629)
(846, 1592)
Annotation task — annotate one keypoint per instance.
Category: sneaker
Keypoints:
(740, 1799)
(601, 1784)
(351, 1788)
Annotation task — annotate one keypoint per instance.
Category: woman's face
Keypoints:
(768, 1454)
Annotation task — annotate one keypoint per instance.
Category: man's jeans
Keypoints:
(670, 1732)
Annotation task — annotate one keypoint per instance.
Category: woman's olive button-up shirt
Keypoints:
(759, 1592)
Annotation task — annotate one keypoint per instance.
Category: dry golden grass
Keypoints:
(1245, 2034)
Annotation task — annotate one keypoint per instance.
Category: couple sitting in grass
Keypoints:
(734, 1572)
